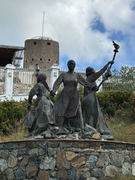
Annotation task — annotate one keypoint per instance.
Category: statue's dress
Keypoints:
(67, 104)
(37, 119)
(91, 110)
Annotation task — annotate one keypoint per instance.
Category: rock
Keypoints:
(78, 161)
(62, 136)
(12, 161)
(62, 174)
(116, 159)
(48, 163)
(126, 169)
(63, 130)
(90, 129)
(43, 175)
(33, 151)
(48, 136)
(107, 137)
(24, 162)
(65, 144)
(84, 169)
(53, 174)
(39, 137)
(5, 154)
(22, 145)
(103, 160)
(61, 162)
(73, 174)
(51, 151)
(15, 145)
(86, 174)
(14, 152)
(1, 146)
(70, 155)
(31, 170)
(92, 178)
(20, 158)
(10, 173)
(111, 171)
(22, 152)
(95, 136)
(97, 172)
(43, 144)
(70, 136)
(133, 169)
(3, 165)
(41, 151)
(132, 155)
(91, 161)
(8, 146)
(46, 132)
(20, 173)
(32, 145)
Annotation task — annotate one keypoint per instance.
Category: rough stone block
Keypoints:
(62, 162)
(70, 155)
(78, 161)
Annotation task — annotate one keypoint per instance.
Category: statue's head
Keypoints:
(41, 78)
(71, 64)
(89, 71)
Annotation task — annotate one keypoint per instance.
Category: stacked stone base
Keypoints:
(65, 159)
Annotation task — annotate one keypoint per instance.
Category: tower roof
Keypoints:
(43, 37)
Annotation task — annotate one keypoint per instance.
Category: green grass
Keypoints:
(122, 177)
(123, 127)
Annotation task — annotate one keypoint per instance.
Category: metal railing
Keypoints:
(23, 80)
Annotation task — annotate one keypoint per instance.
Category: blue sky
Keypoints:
(84, 29)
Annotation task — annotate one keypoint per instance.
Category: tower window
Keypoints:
(40, 59)
(34, 43)
(48, 59)
(48, 44)
(32, 59)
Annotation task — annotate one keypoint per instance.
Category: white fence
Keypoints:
(16, 83)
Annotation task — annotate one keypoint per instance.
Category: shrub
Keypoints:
(9, 112)
(111, 101)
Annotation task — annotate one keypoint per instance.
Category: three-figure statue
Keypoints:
(67, 108)
(37, 119)
(92, 114)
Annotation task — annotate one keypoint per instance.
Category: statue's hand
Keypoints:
(94, 88)
(110, 62)
(29, 107)
(52, 93)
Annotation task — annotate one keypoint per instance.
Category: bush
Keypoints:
(111, 101)
(9, 112)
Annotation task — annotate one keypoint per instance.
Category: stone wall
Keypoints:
(65, 159)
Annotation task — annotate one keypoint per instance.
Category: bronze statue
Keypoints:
(91, 111)
(67, 108)
(37, 119)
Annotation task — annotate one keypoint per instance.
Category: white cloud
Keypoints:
(69, 22)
